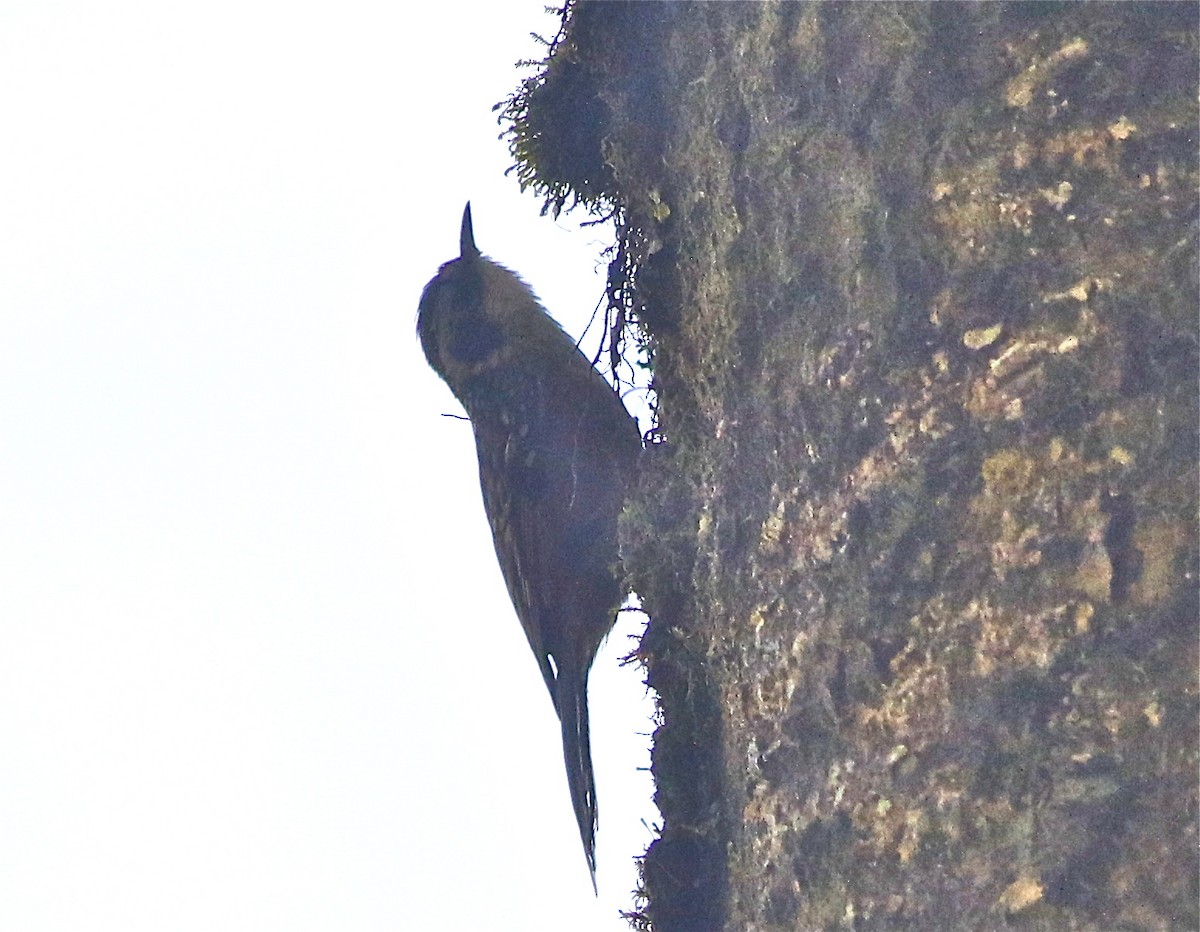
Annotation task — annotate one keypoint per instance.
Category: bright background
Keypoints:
(258, 669)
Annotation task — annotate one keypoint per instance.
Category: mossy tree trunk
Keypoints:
(920, 547)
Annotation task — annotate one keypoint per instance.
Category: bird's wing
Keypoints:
(552, 494)
(519, 507)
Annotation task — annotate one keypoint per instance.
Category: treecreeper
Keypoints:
(557, 450)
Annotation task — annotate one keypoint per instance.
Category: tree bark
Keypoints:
(920, 546)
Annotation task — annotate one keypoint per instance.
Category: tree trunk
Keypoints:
(920, 546)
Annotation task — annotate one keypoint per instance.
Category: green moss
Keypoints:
(920, 287)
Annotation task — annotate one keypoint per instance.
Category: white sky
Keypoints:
(258, 669)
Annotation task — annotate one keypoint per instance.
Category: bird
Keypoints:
(557, 450)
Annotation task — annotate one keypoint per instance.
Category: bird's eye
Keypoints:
(475, 340)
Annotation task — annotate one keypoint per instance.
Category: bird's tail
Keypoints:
(577, 754)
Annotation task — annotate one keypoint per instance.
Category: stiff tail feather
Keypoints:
(577, 754)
